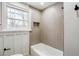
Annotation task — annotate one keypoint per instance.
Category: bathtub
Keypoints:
(44, 50)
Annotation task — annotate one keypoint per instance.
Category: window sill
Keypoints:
(16, 30)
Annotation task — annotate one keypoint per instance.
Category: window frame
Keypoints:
(4, 10)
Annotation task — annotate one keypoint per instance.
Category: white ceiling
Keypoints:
(39, 6)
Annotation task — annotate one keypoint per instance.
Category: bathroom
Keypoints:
(38, 29)
(43, 25)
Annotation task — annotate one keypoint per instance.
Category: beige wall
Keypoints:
(35, 33)
(52, 30)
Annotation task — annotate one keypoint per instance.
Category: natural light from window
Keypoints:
(17, 19)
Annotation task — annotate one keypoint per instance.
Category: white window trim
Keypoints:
(4, 17)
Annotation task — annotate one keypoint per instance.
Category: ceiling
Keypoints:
(40, 5)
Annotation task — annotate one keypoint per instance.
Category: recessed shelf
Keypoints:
(36, 23)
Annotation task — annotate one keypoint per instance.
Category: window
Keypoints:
(17, 19)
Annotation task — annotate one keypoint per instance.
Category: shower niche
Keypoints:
(36, 24)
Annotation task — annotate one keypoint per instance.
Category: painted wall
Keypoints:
(52, 27)
(71, 30)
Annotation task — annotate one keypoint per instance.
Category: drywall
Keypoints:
(71, 30)
(52, 27)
